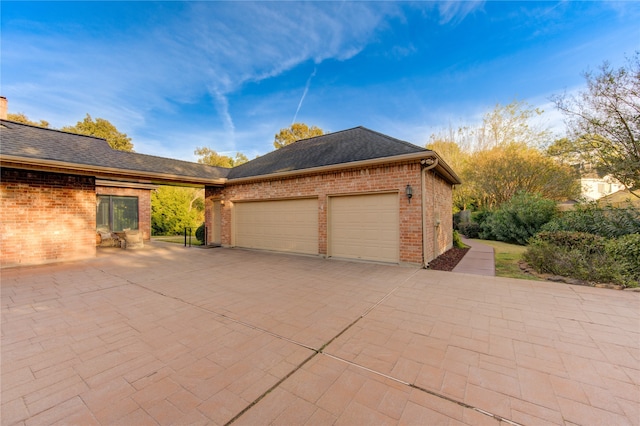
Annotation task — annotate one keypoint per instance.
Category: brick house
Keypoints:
(354, 194)
(58, 188)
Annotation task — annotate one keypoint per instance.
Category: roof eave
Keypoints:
(442, 168)
(102, 172)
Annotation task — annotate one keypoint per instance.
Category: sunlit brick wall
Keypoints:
(391, 177)
(46, 217)
(438, 215)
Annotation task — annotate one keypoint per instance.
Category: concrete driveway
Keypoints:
(168, 335)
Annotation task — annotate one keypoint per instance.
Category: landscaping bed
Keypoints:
(448, 260)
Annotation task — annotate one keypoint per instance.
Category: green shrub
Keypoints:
(469, 230)
(520, 218)
(200, 233)
(480, 216)
(625, 252)
(588, 243)
(457, 241)
(586, 256)
(565, 261)
(460, 218)
(607, 221)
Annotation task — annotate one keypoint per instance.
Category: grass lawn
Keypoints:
(178, 239)
(507, 257)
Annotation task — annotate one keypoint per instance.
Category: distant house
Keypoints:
(595, 187)
(622, 198)
(355, 194)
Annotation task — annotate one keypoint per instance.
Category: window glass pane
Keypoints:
(125, 213)
(102, 212)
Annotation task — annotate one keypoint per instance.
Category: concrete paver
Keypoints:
(169, 335)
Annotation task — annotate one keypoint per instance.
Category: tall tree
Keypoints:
(212, 158)
(512, 123)
(22, 118)
(102, 128)
(517, 122)
(604, 121)
(294, 133)
(497, 174)
(565, 151)
(174, 208)
(457, 159)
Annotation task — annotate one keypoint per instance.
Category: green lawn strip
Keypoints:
(177, 239)
(507, 257)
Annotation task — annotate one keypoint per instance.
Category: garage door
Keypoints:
(364, 227)
(287, 225)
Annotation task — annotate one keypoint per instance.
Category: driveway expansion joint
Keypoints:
(321, 351)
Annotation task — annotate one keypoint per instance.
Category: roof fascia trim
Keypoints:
(103, 172)
(125, 184)
(442, 167)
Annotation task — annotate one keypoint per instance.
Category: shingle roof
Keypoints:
(22, 140)
(346, 146)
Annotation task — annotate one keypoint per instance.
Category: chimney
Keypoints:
(3, 108)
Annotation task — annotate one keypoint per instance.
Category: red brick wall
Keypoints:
(438, 208)
(46, 217)
(392, 177)
(144, 205)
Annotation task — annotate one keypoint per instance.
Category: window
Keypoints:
(117, 213)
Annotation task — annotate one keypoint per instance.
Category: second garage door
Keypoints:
(285, 225)
(365, 227)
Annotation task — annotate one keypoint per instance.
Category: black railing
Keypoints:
(187, 230)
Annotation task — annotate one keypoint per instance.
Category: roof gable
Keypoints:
(347, 146)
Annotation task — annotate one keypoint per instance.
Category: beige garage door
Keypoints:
(364, 227)
(287, 225)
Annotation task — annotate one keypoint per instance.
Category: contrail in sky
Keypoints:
(306, 89)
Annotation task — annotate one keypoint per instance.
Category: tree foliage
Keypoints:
(516, 122)
(102, 128)
(604, 121)
(212, 158)
(457, 159)
(174, 208)
(295, 132)
(497, 174)
(512, 123)
(500, 156)
(22, 118)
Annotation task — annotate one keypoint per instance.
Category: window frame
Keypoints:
(112, 201)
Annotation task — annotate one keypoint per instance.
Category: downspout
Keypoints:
(427, 164)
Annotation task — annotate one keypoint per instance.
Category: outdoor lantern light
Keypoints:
(409, 192)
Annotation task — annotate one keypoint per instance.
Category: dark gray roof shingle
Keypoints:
(21, 140)
(357, 144)
(346, 146)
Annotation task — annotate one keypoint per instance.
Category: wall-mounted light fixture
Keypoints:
(409, 191)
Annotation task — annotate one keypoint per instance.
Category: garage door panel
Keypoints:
(286, 225)
(365, 227)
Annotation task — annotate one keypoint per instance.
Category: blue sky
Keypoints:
(229, 75)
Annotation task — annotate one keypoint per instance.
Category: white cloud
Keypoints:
(454, 12)
(197, 50)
